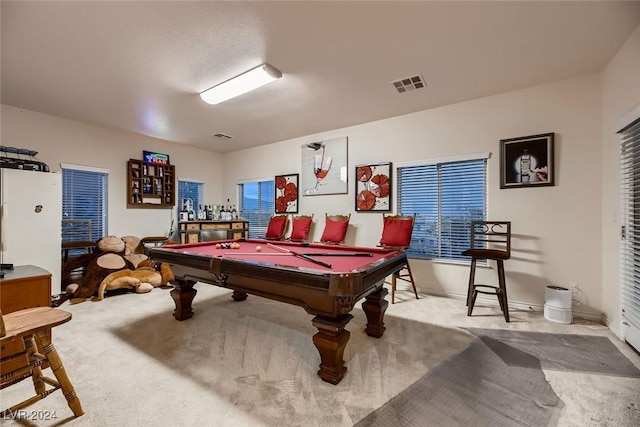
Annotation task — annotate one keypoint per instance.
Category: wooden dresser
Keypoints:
(25, 286)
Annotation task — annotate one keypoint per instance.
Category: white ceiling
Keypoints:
(140, 65)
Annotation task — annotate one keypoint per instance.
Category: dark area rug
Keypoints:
(498, 381)
(578, 353)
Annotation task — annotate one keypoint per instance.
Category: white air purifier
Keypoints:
(557, 305)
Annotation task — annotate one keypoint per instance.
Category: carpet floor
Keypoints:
(498, 380)
(254, 363)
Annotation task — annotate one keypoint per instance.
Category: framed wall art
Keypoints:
(324, 167)
(527, 161)
(373, 187)
(287, 193)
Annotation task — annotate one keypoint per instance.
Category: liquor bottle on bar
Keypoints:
(184, 214)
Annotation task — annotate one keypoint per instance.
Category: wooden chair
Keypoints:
(396, 234)
(277, 227)
(76, 237)
(300, 227)
(32, 326)
(335, 229)
(490, 240)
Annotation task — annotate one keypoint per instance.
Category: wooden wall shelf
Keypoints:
(150, 185)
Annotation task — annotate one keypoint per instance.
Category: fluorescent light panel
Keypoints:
(252, 79)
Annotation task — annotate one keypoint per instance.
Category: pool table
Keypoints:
(283, 271)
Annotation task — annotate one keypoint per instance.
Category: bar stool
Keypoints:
(490, 240)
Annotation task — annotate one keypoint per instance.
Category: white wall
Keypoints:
(562, 234)
(60, 140)
(621, 92)
(556, 229)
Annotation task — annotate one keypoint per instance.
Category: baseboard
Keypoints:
(613, 327)
(593, 317)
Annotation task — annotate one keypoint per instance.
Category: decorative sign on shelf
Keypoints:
(156, 158)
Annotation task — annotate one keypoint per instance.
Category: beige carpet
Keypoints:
(254, 363)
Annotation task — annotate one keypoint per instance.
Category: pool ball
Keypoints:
(258, 248)
(218, 246)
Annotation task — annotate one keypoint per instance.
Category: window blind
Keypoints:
(190, 190)
(84, 197)
(445, 197)
(257, 205)
(630, 232)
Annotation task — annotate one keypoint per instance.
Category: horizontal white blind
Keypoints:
(191, 191)
(630, 199)
(445, 197)
(257, 204)
(84, 197)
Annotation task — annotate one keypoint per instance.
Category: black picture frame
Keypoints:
(374, 186)
(287, 195)
(527, 161)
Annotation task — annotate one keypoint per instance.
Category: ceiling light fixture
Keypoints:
(252, 79)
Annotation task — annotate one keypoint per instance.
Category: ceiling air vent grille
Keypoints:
(222, 136)
(409, 83)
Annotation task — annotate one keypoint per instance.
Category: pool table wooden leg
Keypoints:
(374, 307)
(183, 294)
(239, 296)
(331, 341)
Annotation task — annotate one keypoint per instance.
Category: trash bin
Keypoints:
(557, 305)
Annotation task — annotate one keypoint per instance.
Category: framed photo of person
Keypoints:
(527, 161)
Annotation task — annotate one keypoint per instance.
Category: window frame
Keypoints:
(421, 220)
(199, 197)
(98, 228)
(259, 222)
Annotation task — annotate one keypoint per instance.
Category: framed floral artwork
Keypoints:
(373, 187)
(287, 193)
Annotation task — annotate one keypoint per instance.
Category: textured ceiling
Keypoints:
(140, 65)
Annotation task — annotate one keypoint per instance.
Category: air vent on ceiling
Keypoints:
(222, 135)
(409, 83)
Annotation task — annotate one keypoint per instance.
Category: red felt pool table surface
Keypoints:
(327, 292)
(341, 261)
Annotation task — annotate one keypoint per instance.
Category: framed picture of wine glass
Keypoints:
(527, 161)
(287, 193)
(373, 187)
(324, 167)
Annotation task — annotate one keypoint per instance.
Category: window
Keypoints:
(445, 196)
(84, 203)
(630, 242)
(257, 205)
(191, 193)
